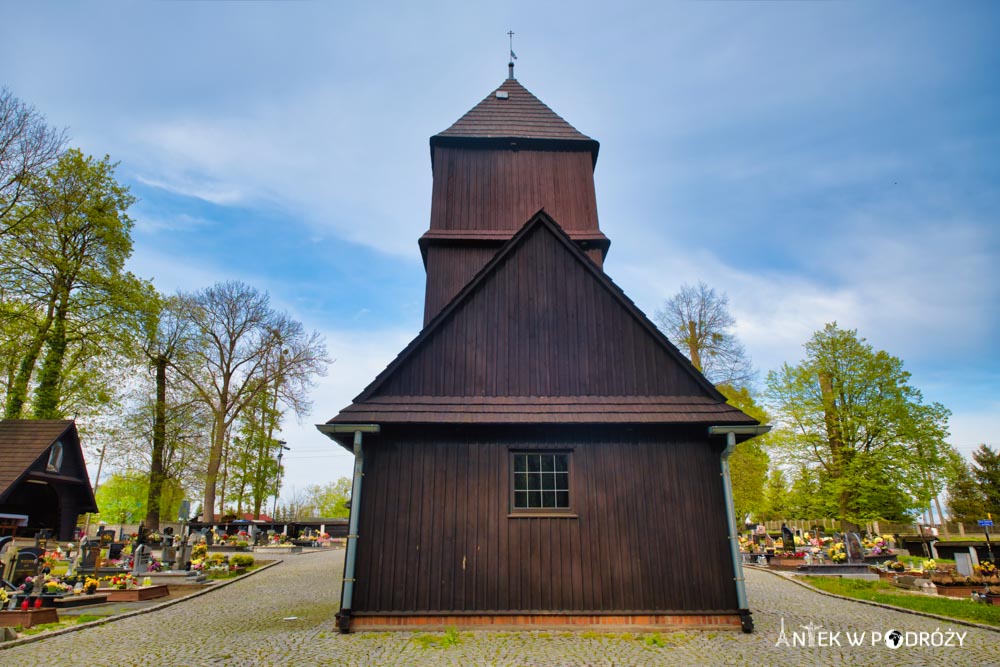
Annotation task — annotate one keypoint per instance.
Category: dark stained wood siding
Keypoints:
(649, 533)
(500, 190)
(541, 324)
(454, 267)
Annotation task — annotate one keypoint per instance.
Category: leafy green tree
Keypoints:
(329, 501)
(776, 496)
(749, 462)
(850, 412)
(66, 289)
(698, 320)
(987, 472)
(966, 500)
(122, 497)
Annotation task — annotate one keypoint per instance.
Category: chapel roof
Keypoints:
(512, 112)
(541, 336)
(24, 441)
(520, 114)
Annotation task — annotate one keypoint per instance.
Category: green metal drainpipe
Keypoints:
(350, 558)
(734, 540)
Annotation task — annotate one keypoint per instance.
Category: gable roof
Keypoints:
(541, 335)
(25, 442)
(520, 115)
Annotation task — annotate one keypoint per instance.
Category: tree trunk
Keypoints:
(19, 387)
(214, 461)
(840, 457)
(50, 375)
(159, 444)
(692, 342)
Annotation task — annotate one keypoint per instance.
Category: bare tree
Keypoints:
(167, 334)
(28, 146)
(698, 319)
(236, 334)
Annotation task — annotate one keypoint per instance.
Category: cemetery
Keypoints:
(42, 577)
(814, 553)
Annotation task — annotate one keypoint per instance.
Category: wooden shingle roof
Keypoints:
(24, 451)
(541, 335)
(23, 442)
(512, 116)
(520, 115)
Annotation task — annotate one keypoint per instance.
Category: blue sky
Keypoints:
(816, 161)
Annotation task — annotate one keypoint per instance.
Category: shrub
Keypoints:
(241, 560)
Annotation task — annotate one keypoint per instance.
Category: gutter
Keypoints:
(727, 488)
(350, 559)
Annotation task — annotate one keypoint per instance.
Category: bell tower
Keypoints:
(498, 165)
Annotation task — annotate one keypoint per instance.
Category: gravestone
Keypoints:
(7, 553)
(787, 538)
(25, 565)
(141, 559)
(963, 564)
(90, 555)
(853, 548)
(168, 554)
(42, 538)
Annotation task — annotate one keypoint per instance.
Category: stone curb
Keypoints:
(137, 612)
(915, 612)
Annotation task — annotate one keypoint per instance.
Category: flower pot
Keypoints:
(29, 617)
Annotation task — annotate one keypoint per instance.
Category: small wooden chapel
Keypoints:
(540, 455)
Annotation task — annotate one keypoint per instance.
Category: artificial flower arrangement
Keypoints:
(929, 565)
(986, 568)
(120, 582)
(56, 587)
(155, 564)
(837, 553)
(4, 598)
(876, 544)
(897, 566)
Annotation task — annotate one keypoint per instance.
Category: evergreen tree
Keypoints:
(987, 472)
(966, 501)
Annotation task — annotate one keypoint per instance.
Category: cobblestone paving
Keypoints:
(244, 625)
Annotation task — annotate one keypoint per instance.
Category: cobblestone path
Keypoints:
(243, 625)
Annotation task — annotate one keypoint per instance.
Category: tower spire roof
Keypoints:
(512, 111)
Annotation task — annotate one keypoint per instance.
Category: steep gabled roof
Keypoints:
(541, 335)
(24, 443)
(511, 114)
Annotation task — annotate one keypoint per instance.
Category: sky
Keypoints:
(815, 161)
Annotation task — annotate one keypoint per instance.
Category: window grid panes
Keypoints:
(541, 481)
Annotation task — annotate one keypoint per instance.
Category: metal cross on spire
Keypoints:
(513, 56)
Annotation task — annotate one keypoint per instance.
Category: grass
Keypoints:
(879, 591)
(65, 623)
(446, 640)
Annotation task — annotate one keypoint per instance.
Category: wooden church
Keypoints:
(540, 455)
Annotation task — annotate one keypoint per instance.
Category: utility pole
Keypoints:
(277, 480)
(97, 482)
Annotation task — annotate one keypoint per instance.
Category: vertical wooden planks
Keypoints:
(437, 498)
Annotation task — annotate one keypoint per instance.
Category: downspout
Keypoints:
(746, 619)
(347, 599)
(351, 555)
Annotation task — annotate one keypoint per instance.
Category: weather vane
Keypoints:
(513, 56)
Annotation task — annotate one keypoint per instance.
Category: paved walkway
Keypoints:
(249, 623)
